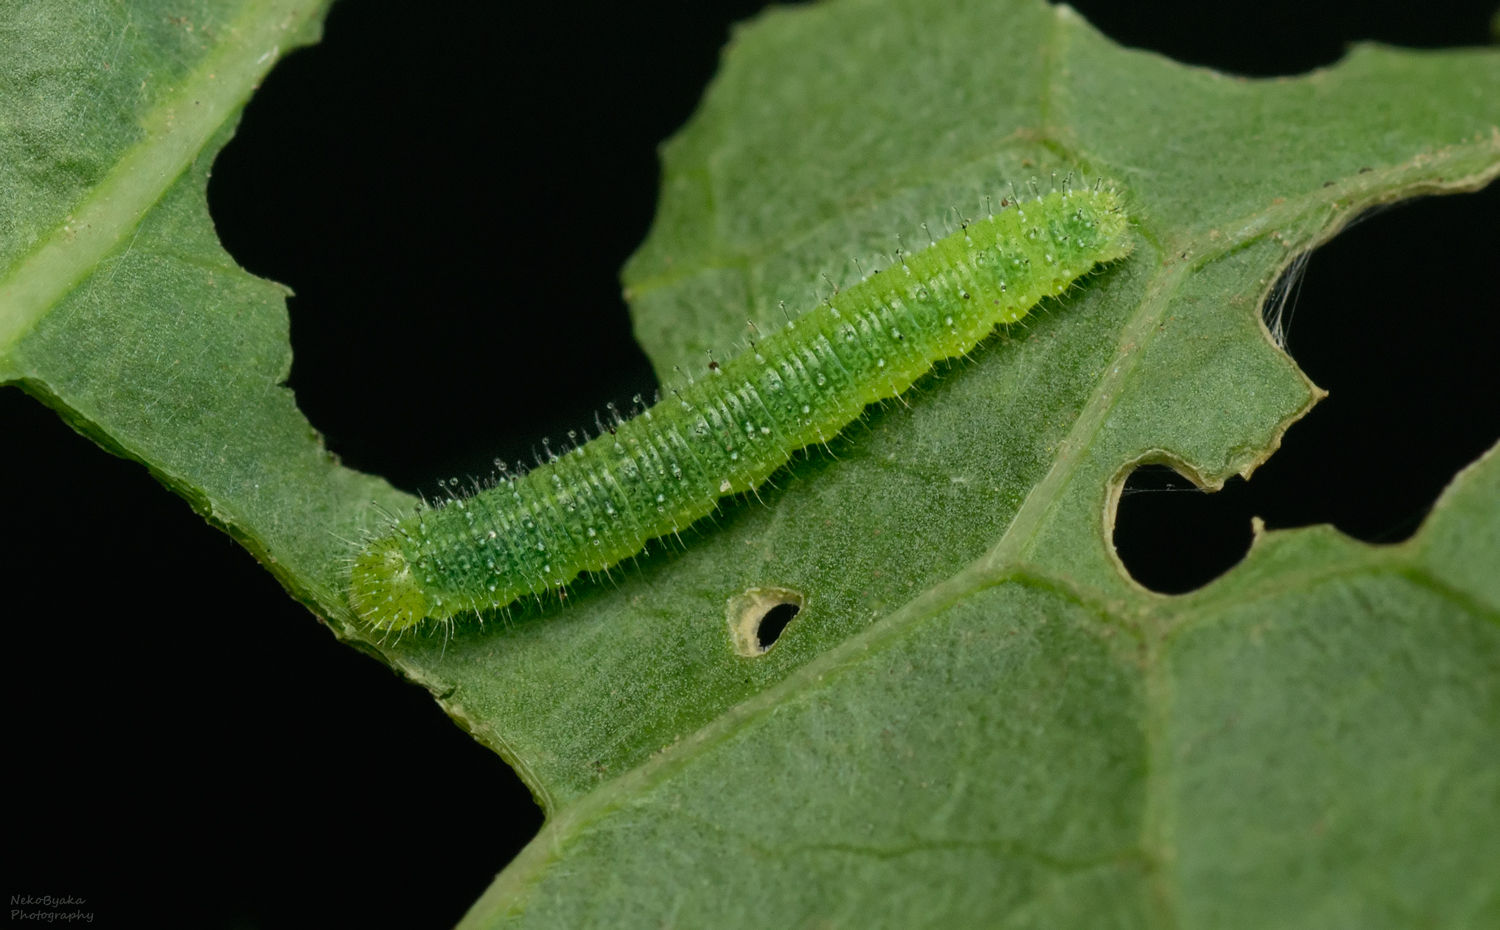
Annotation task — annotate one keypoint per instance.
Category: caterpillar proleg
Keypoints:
(603, 500)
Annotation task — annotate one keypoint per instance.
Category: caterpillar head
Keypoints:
(383, 588)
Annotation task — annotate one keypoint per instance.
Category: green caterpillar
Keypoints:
(655, 474)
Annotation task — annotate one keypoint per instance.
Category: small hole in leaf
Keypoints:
(774, 622)
(758, 617)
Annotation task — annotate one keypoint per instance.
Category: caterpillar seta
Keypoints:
(656, 473)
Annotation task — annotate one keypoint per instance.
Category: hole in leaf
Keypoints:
(774, 622)
(1394, 317)
(1174, 537)
(1275, 37)
(457, 290)
(758, 617)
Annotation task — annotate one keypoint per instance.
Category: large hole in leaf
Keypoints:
(451, 193)
(1399, 319)
(1274, 37)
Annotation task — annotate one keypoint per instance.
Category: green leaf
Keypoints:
(977, 718)
(119, 308)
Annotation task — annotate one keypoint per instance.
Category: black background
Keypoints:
(188, 747)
